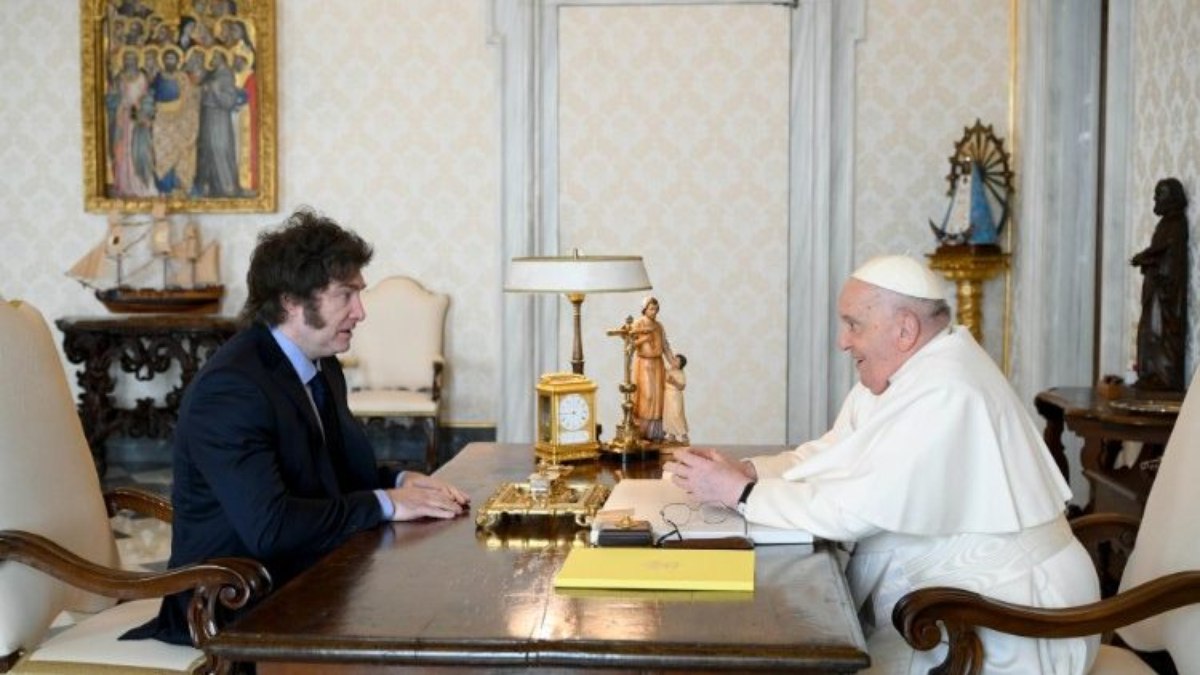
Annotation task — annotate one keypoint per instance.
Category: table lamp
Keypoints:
(575, 276)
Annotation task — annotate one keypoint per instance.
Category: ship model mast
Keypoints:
(190, 268)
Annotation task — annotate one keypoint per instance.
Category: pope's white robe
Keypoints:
(942, 480)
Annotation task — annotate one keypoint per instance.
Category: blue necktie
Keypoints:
(320, 393)
(329, 423)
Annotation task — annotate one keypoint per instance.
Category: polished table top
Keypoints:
(1120, 408)
(445, 593)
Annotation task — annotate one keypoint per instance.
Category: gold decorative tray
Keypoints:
(1147, 406)
(560, 498)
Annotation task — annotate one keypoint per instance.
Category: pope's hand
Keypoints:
(708, 475)
(745, 468)
(425, 496)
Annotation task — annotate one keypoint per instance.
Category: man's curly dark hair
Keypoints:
(297, 260)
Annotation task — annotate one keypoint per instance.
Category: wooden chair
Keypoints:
(57, 551)
(395, 363)
(1162, 574)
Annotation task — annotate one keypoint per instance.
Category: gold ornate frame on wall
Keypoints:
(124, 108)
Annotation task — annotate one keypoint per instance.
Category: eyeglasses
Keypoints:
(679, 514)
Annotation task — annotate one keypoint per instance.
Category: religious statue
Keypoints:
(649, 370)
(675, 425)
(1162, 329)
(980, 187)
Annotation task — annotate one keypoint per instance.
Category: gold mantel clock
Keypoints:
(566, 418)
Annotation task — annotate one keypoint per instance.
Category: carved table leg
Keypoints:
(1091, 457)
(96, 385)
(1053, 434)
(145, 350)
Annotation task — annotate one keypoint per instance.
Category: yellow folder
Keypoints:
(658, 568)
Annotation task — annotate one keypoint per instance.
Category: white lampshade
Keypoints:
(577, 274)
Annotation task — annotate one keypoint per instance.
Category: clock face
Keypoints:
(573, 412)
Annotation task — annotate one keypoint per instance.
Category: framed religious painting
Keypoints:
(179, 105)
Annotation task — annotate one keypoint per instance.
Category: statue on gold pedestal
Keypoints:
(968, 250)
(980, 184)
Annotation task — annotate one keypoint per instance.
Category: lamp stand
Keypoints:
(577, 350)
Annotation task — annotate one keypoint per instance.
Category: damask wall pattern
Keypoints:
(926, 70)
(1166, 138)
(673, 146)
(42, 192)
(388, 122)
(387, 119)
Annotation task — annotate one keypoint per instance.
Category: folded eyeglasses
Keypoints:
(679, 514)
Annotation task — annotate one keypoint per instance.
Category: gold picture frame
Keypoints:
(179, 105)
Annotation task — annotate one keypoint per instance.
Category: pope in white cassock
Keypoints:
(933, 468)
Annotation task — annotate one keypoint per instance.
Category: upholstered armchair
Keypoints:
(395, 363)
(57, 551)
(1154, 609)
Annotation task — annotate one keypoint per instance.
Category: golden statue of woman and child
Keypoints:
(654, 382)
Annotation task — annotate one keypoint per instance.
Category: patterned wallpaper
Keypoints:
(1166, 136)
(673, 146)
(387, 118)
(388, 122)
(926, 70)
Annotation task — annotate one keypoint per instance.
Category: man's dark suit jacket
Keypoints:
(253, 476)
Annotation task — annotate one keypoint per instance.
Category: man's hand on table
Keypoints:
(422, 496)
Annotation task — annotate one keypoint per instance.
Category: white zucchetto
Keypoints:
(901, 274)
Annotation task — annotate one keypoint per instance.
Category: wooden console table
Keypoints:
(144, 345)
(1103, 428)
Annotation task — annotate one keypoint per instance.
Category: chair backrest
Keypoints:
(1169, 540)
(48, 483)
(402, 335)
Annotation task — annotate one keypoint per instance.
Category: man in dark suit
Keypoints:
(268, 461)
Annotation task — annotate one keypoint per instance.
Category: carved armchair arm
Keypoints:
(1108, 539)
(918, 614)
(233, 582)
(1105, 526)
(139, 501)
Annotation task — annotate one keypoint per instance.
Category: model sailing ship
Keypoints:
(129, 251)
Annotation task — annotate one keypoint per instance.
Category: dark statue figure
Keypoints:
(1162, 329)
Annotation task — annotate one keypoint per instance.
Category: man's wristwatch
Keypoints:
(741, 502)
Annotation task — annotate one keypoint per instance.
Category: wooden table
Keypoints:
(446, 594)
(145, 346)
(1103, 427)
